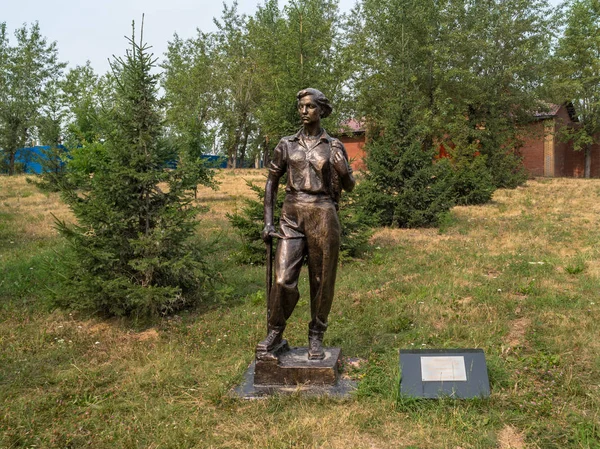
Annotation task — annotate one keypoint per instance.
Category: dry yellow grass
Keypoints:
(517, 330)
(30, 208)
(231, 192)
(498, 228)
(517, 277)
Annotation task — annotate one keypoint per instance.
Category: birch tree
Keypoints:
(26, 70)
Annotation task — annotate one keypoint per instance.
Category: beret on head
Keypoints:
(320, 99)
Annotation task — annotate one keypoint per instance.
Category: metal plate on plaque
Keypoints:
(434, 373)
(441, 368)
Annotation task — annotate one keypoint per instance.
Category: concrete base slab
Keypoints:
(248, 390)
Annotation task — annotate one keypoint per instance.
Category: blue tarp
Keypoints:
(215, 161)
(211, 160)
(29, 157)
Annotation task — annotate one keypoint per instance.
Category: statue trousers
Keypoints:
(310, 227)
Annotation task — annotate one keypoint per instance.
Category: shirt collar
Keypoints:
(324, 137)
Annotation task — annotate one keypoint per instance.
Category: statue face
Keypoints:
(309, 110)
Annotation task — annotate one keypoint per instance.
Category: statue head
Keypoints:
(319, 98)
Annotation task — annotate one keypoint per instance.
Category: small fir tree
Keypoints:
(133, 248)
(407, 187)
(403, 187)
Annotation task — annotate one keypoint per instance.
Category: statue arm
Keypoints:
(276, 170)
(342, 167)
(270, 198)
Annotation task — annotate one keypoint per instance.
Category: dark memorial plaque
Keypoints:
(436, 373)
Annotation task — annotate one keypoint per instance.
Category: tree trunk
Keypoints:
(301, 53)
(588, 162)
(244, 145)
(237, 141)
(11, 162)
(266, 155)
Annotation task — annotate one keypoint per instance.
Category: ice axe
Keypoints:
(269, 244)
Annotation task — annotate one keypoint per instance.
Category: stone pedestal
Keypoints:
(293, 368)
(292, 372)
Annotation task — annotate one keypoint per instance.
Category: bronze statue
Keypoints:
(317, 169)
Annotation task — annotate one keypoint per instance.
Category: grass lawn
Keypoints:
(517, 277)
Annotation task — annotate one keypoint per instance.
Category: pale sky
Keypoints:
(94, 30)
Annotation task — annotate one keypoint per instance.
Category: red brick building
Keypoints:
(353, 137)
(543, 152)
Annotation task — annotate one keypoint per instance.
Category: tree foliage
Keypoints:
(456, 72)
(236, 84)
(240, 81)
(190, 98)
(85, 96)
(72, 117)
(295, 48)
(577, 73)
(52, 160)
(28, 73)
(133, 246)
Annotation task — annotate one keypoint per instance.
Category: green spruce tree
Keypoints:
(404, 187)
(133, 247)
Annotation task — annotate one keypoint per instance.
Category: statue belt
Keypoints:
(303, 197)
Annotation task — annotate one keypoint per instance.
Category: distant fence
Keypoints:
(28, 160)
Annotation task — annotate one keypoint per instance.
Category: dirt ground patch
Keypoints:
(147, 335)
(511, 438)
(516, 334)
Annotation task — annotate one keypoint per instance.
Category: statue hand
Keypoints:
(266, 233)
(340, 164)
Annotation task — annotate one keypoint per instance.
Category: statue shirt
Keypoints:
(308, 165)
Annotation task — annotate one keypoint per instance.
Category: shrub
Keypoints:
(249, 223)
(407, 187)
(472, 181)
(404, 187)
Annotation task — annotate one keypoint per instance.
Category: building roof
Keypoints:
(352, 125)
(358, 127)
(553, 111)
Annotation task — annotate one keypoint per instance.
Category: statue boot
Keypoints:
(272, 346)
(273, 338)
(315, 345)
